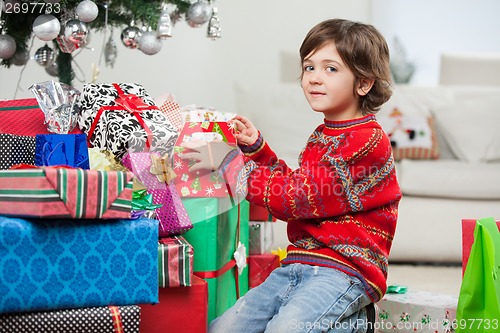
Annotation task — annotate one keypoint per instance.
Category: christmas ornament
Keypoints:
(20, 58)
(76, 31)
(44, 56)
(130, 36)
(164, 24)
(110, 51)
(46, 27)
(52, 69)
(198, 13)
(7, 46)
(149, 43)
(87, 11)
(214, 29)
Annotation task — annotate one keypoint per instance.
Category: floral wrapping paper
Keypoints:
(119, 128)
(417, 311)
(62, 264)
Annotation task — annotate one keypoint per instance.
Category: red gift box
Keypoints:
(24, 117)
(259, 213)
(181, 310)
(468, 226)
(260, 266)
(200, 183)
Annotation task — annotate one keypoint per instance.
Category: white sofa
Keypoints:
(464, 182)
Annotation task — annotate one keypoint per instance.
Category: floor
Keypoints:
(439, 279)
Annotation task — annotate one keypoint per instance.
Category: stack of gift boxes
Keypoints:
(102, 227)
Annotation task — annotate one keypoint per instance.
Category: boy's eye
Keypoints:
(331, 69)
(308, 68)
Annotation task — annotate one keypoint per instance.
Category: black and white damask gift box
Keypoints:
(122, 117)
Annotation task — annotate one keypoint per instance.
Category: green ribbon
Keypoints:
(397, 289)
(142, 200)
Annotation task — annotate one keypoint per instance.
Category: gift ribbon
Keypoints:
(130, 103)
(116, 318)
(229, 265)
(142, 200)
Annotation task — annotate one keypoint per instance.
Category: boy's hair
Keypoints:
(363, 49)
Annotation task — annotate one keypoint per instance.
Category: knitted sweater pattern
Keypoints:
(341, 203)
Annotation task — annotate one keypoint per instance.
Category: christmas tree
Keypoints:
(66, 24)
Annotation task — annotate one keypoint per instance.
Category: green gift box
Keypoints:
(218, 228)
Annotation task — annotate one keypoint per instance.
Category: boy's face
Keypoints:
(328, 84)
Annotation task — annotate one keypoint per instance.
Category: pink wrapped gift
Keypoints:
(146, 166)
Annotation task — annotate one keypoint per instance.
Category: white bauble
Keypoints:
(7, 46)
(46, 27)
(87, 11)
(149, 43)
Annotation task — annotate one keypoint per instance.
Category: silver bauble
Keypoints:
(20, 58)
(149, 43)
(87, 11)
(52, 69)
(76, 31)
(44, 56)
(198, 13)
(130, 36)
(46, 27)
(7, 46)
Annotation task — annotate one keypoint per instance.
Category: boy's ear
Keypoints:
(364, 86)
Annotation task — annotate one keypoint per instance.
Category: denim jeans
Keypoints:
(298, 298)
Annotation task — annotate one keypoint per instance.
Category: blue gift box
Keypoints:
(62, 149)
(63, 264)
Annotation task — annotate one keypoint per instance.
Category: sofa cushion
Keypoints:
(413, 136)
(471, 128)
(449, 179)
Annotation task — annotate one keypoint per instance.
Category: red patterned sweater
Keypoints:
(341, 203)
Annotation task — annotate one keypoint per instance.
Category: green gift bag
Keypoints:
(478, 309)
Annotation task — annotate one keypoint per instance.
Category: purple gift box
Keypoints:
(172, 215)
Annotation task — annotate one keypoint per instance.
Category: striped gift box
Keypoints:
(66, 193)
(175, 262)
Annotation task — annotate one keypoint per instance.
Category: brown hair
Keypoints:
(363, 49)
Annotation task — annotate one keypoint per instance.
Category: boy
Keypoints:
(340, 204)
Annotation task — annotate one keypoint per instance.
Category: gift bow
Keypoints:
(142, 200)
(132, 103)
(162, 168)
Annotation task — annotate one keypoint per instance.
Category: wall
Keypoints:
(428, 28)
(196, 69)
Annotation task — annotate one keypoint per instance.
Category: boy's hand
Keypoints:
(246, 133)
(209, 154)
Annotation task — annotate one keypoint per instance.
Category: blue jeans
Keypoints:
(299, 298)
